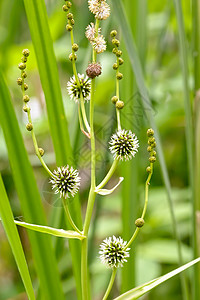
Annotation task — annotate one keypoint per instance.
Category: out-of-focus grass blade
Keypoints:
(145, 288)
(29, 198)
(14, 240)
(70, 234)
(137, 69)
(43, 46)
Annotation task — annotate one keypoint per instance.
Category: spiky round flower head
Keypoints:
(112, 252)
(91, 31)
(123, 144)
(103, 11)
(99, 44)
(74, 90)
(66, 181)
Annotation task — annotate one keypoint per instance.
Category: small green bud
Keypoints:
(115, 66)
(26, 98)
(41, 151)
(22, 66)
(152, 159)
(149, 149)
(150, 132)
(25, 86)
(75, 47)
(24, 59)
(151, 140)
(153, 145)
(24, 75)
(121, 61)
(19, 81)
(69, 4)
(25, 108)
(26, 52)
(114, 50)
(65, 7)
(148, 169)
(69, 16)
(29, 126)
(72, 21)
(114, 99)
(119, 104)
(72, 56)
(69, 27)
(119, 53)
(154, 153)
(119, 76)
(139, 222)
(116, 42)
(113, 33)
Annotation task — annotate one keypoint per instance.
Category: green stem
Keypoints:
(109, 174)
(84, 269)
(69, 216)
(110, 284)
(144, 209)
(84, 113)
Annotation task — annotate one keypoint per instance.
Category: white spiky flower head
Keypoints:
(99, 8)
(123, 144)
(84, 86)
(91, 31)
(113, 253)
(99, 44)
(65, 180)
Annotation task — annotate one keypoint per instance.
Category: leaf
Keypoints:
(70, 234)
(108, 192)
(14, 240)
(145, 288)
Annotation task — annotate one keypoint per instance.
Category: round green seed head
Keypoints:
(69, 27)
(22, 66)
(114, 50)
(113, 33)
(153, 145)
(119, 53)
(150, 132)
(116, 42)
(69, 4)
(26, 98)
(154, 153)
(139, 222)
(19, 81)
(119, 104)
(65, 7)
(152, 159)
(119, 76)
(75, 47)
(24, 59)
(149, 149)
(148, 169)
(25, 86)
(24, 75)
(72, 21)
(121, 61)
(25, 108)
(41, 151)
(29, 126)
(151, 140)
(26, 52)
(73, 56)
(114, 99)
(70, 16)
(115, 66)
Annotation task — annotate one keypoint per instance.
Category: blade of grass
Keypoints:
(43, 46)
(137, 69)
(188, 131)
(14, 240)
(145, 288)
(29, 197)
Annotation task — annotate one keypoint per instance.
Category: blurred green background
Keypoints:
(154, 27)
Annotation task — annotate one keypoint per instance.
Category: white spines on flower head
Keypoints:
(99, 44)
(75, 90)
(99, 8)
(112, 252)
(66, 181)
(123, 144)
(91, 32)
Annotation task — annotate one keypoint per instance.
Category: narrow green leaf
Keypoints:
(14, 240)
(70, 234)
(43, 46)
(29, 197)
(145, 288)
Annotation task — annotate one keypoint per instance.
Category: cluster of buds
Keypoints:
(119, 61)
(151, 148)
